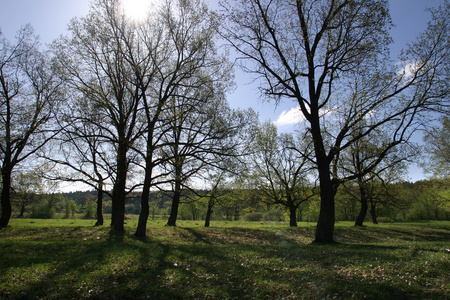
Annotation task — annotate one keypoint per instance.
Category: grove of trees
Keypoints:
(137, 109)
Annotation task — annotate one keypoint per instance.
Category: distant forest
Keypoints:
(405, 201)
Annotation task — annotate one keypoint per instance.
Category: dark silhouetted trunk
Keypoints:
(177, 190)
(141, 230)
(209, 211)
(325, 224)
(5, 196)
(373, 213)
(119, 193)
(174, 210)
(99, 204)
(364, 205)
(22, 211)
(292, 216)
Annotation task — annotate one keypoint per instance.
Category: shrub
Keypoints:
(43, 211)
(90, 210)
(274, 215)
(254, 217)
(385, 220)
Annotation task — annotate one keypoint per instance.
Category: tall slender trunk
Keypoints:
(141, 229)
(119, 194)
(174, 210)
(6, 193)
(22, 211)
(99, 204)
(209, 211)
(177, 190)
(364, 205)
(373, 212)
(299, 214)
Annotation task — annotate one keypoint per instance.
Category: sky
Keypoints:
(49, 18)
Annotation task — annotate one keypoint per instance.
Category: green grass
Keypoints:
(60, 259)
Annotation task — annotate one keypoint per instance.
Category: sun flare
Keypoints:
(136, 9)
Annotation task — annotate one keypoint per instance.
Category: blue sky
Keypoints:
(50, 18)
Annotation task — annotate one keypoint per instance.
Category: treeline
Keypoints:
(130, 107)
(403, 201)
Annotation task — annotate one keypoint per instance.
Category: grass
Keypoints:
(59, 259)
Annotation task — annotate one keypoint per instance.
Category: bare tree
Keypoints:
(202, 134)
(331, 58)
(94, 64)
(29, 96)
(80, 154)
(281, 171)
(181, 47)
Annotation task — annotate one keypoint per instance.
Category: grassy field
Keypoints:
(71, 259)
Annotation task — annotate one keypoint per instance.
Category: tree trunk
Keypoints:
(299, 214)
(236, 213)
(141, 230)
(292, 216)
(22, 211)
(174, 210)
(119, 194)
(177, 191)
(209, 211)
(5, 196)
(325, 224)
(373, 213)
(364, 205)
(99, 204)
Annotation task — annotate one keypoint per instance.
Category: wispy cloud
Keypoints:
(290, 117)
(407, 70)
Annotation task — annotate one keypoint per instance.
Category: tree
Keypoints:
(26, 188)
(437, 144)
(203, 132)
(183, 60)
(70, 208)
(29, 96)
(80, 154)
(93, 62)
(331, 58)
(280, 171)
(361, 162)
(219, 180)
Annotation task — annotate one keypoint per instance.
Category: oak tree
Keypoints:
(331, 58)
(29, 97)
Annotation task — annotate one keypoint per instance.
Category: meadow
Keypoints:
(72, 259)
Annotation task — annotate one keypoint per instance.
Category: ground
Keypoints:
(59, 259)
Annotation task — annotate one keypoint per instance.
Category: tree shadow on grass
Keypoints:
(206, 263)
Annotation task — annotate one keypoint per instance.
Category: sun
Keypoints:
(136, 10)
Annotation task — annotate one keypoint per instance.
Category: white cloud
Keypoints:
(290, 117)
(407, 70)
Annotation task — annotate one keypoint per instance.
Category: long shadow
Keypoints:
(254, 265)
(199, 238)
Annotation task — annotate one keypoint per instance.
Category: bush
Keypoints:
(254, 217)
(90, 210)
(70, 209)
(385, 220)
(274, 215)
(42, 211)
